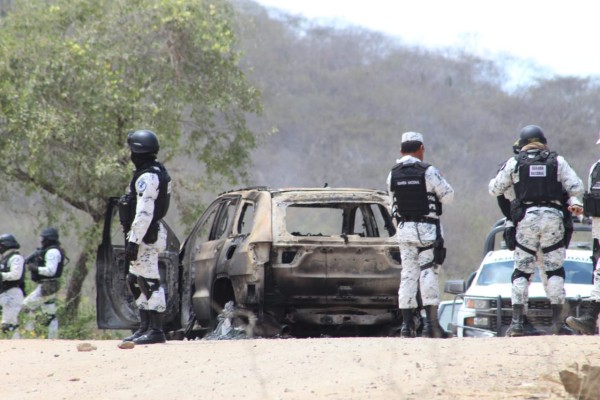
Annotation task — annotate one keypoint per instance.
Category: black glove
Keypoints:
(510, 237)
(131, 251)
(32, 268)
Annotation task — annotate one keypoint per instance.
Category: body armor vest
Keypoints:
(538, 178)
(408, 185)
(161, 204)
(591, 200)
(59, 267)
(20, 283)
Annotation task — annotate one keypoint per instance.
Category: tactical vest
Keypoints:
(538, 178)
(591, 199)
(161, 204)
(409, 187)
(20, 283)
(59, 267)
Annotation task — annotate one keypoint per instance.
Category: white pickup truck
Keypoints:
(486, 308)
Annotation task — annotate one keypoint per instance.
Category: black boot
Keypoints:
(144, 324)
(408, 325)
(516, 326)
(586, 324)
(558, 326)
(435, 330)
(530, 329)
(155, 333)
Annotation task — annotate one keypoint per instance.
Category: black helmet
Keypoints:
(531, 134)
(143, 142)
(50, 234)
(8, 241)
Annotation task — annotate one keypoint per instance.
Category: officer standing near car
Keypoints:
(418, 192)
(46, 267)
(12, 283)
(141, 211)
(587, 323)
(534, 181)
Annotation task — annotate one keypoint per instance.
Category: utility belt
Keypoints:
(591, 204)
(428, 220)
(518, 209)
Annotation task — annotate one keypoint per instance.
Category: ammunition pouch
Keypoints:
(568, 223)
(126, 211)
(510, 237)
(439, 251)
(517, 211)
(591, 204)
(50, 287)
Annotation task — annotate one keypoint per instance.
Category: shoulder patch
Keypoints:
(140, 186)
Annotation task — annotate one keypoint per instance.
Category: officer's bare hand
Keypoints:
(576, 210)
(131, 251)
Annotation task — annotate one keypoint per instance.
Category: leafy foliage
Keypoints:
(77, 75)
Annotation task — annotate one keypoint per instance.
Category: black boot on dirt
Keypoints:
(144, 325)
(530, 329)
(558, 326)
(155, 333)
(586, 324)
(408, 325)
(516, 327)
(436, 330)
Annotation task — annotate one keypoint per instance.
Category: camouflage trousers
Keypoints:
(538, 230)
(146, 266)
(414, 277)
(47, 304)
(11, 301)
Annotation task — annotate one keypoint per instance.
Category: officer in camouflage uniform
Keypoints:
(12, 279)
(587, 323)
(141, 211)
(535, 181)
(418, 191)
(46, 267)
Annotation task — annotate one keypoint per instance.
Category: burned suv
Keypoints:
(294, 261)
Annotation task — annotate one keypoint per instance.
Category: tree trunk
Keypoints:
(74, 288)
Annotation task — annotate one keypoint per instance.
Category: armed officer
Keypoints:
(418, 191)
(587, 323)
(141, 211)
(46, 267)
(535, 181)
(12, 284)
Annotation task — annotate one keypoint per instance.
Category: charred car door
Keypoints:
(115, 305)
(203, 255)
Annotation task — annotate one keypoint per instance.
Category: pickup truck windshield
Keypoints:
(577, 272)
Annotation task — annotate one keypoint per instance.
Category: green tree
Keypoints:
(77, 75)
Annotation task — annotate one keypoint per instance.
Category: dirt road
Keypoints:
(263, 369)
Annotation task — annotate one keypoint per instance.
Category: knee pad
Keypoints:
(557, 272)
(519, 274)
(132, 285)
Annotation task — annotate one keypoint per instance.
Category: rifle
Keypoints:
(35, 258)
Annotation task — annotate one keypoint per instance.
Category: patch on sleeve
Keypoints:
(140, 186)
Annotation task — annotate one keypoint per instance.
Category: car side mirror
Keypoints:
(456, 286)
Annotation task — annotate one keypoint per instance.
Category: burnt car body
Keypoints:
(301, 261)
